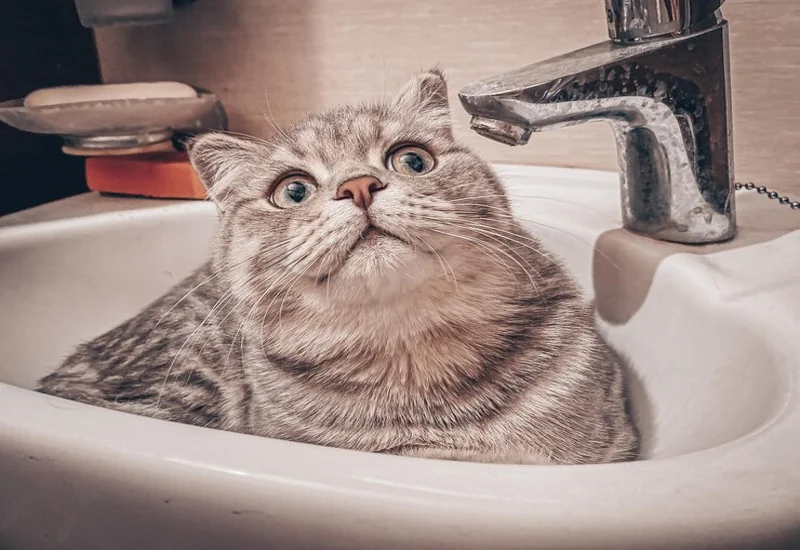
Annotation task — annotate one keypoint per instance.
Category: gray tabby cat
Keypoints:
(369, 289)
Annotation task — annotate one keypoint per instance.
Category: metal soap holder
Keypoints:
(118, 126)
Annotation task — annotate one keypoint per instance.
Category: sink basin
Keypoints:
(710, 334)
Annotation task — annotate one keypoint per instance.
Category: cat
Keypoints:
(368, 289)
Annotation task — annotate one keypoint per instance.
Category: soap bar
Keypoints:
(164, 176)
(63, 95)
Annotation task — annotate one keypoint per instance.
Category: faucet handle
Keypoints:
(632, 20)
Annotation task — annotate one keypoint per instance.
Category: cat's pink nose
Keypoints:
(360, 190)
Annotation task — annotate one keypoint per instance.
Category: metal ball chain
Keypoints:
(762, 190)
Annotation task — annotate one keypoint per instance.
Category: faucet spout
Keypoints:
(668, 103)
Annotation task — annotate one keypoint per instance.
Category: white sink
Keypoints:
(711, 334)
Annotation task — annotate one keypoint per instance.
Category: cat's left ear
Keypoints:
(426, 94)
(220, 161)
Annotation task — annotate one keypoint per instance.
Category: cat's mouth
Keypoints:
(372, 234)
(371, 237)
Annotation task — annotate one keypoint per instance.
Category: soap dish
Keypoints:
(110, 125)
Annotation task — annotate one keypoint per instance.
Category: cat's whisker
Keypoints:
(541, 253)
(602, 254)
(268, 118)
(233, 340)
(285, 291)
(502, 238)
(506, 250)
(505, 215)
(239, 328)
(226, 201)
(470, 184)
(283, 277)
(231, 311)
(246, 318)
(199, 354)
(176, 304)
(513, 196)
(259, 303)
(283, 301)
(489, 231)
(247, 136)
(328, 285)
(277, 283)
(385, 78)
(186, 343)
(490, 249)
(322, 262)
(214, 274)
(442, 262)
(241, 325)
(221, 302)
(280, 132)
(511, 236)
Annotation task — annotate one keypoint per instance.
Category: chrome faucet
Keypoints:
(663, 84)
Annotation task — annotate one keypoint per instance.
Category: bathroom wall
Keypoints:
(278, 60)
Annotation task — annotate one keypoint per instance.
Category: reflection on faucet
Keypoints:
(663, 84)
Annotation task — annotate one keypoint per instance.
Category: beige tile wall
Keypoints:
(292, 57)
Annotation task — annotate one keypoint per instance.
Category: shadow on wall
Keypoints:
(42, 44)
(262, 68)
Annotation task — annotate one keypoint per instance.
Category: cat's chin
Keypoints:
(380, 264)
(376, 254)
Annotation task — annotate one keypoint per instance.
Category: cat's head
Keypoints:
(360, 201)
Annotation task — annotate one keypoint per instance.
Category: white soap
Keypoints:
(63, 95)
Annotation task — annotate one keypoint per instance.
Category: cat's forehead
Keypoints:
(351, 133)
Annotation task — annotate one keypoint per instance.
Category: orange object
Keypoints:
(159, 175)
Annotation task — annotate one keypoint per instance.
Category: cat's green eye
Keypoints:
(410, 160)
(293, 190)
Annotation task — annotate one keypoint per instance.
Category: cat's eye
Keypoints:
(410, 160)
(293, 190)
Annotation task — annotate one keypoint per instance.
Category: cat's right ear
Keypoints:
(218, 160)
(425, 93)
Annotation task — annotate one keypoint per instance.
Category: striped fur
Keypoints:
(453, 335)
